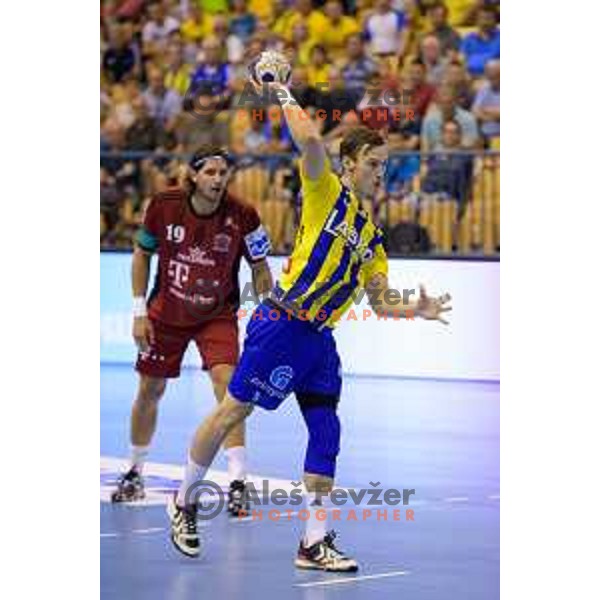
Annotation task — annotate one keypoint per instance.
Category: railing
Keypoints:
(436, 204)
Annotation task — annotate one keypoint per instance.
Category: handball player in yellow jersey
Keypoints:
(289, 346)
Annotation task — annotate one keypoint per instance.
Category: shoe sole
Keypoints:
(311, 566)
(116, 499)
(183, 550)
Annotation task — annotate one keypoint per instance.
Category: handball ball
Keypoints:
(271, 67)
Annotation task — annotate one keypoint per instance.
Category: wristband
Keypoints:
(139, 307)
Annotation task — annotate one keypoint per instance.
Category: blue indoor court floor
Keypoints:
(440, 438)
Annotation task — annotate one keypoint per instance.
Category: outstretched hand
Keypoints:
(433, 308)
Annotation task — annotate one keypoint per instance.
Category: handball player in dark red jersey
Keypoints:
(200, 234)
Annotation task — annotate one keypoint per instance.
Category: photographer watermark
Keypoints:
(372, 503)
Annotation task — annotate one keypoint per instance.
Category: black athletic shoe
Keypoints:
(184, 532)
(324, 556)
(129, 488)
(238, 504)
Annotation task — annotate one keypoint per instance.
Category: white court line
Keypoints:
(141, 531)
(494, 497)
(351, 579)
(456, 499)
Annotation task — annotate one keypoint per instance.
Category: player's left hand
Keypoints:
(433, 308)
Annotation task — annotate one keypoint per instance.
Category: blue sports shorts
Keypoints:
(284, 355)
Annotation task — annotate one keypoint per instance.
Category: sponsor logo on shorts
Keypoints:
(281, 377)
(265, 387)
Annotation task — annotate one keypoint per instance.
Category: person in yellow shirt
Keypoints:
(301, 43)
(177, 75)
(263, 9)
(198, 24)
(303, 11)
(318, 67)
(339, 27)
(290, 347)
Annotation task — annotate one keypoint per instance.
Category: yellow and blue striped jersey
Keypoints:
(338, 249)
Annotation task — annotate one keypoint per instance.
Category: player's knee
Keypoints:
(231, 412)
(151, 390)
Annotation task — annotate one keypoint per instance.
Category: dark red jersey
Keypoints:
(198, 256)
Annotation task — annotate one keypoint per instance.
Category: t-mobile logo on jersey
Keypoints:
(180, 273)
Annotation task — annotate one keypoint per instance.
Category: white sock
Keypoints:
(138, 456)
(193, 474)
(316, 528)
(236, 463)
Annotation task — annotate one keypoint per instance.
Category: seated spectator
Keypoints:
(265, 11)
(486, 106)
(318, 67)
(376, 105)
(456, 76)
(333, 98)
(358, 69)
(204, 126)
(111, 198)
(255, 139)
(449, 171)
(234, 47)
(213, 70)
(304, 93)
(483, 45)
(421, 91)
(431, 56)
(301, 44)
(449, 39)
(303, 12)
(242, 23)
(197, 25)
(339, 27)
(145, 133)
(157, 29)
(254, 47)
(121, 57)
(279, 138)
(178, 73)
(163, 104)
(445, 109)
(120, 105)
(386, 30)
(403, 142)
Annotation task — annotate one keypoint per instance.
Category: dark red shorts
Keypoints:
(216, 340)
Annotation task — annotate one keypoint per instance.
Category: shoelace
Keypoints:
(189, 519)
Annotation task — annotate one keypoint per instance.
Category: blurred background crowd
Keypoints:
(173, 73)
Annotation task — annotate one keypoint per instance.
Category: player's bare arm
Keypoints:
(426, 307)
(304, 131)
(262, 279)
(143, 333)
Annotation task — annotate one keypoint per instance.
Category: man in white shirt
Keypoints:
(159, 27)
(386, 30)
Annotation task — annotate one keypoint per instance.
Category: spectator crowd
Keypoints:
(173, 73)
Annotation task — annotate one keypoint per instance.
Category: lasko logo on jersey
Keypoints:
(349, 234)
(281, 376)
(258, 243)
